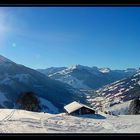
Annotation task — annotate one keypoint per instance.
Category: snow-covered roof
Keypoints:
(74, 106)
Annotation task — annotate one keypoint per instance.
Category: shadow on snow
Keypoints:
(93, 116)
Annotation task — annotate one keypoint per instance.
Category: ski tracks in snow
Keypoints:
(6, 118)
(9, 116)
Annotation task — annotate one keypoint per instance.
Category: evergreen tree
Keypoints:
(134, 107)
(28, 101)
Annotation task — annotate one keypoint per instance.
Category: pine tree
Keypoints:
(134, 107)
(28, 101)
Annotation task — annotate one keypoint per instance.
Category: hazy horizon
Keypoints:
(70, 65)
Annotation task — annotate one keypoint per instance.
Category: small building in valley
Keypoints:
(76, 108)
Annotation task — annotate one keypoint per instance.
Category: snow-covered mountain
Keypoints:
(84, 77)
(118, 92)
(105, 70)
(16, 79)
(51, 70)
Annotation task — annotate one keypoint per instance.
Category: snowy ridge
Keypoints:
(4, 59)
(104, 70)
(68, 70)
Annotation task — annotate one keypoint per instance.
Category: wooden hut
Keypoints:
(76, 108)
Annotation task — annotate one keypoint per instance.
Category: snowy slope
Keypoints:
(72, 81)
(51, 70)
(125, 89)
(16, 79)
(47, 106)
(118, 92)
(120, 109)
(84, 77)
(20, 121)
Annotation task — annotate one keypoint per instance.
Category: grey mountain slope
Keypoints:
(15, 79)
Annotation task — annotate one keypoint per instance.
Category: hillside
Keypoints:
(16, 79)
(118, 92)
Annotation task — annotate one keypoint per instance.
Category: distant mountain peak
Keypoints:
(86, 77)
(104, 70)
(75, 67)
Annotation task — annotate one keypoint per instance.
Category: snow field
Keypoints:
(20, 121)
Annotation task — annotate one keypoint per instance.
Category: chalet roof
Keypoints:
(74, 106)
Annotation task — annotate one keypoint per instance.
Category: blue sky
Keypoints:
(41, 37)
